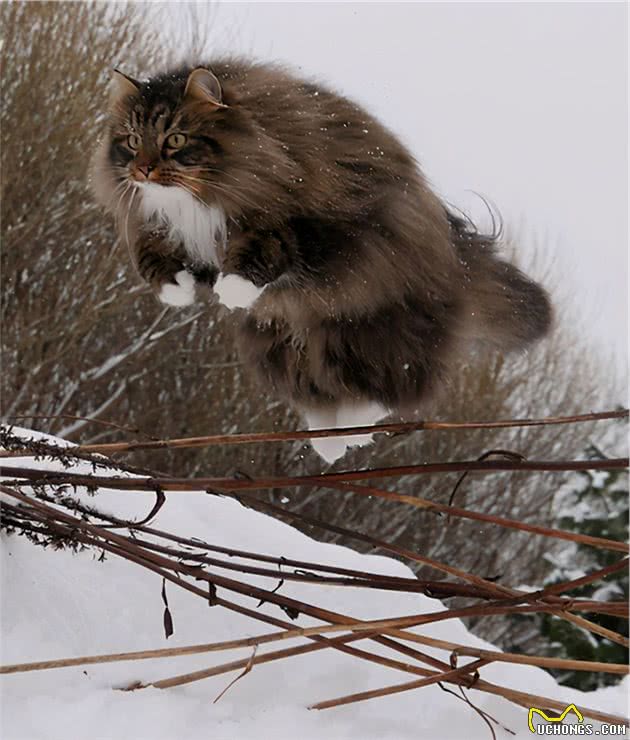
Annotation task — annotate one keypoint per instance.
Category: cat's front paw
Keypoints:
(236, 292)
(179, 293)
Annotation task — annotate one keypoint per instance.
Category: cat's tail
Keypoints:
(503, 306)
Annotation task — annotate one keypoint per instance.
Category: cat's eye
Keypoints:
(175, 141)
(133, 141)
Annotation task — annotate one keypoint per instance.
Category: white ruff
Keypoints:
(197, 226)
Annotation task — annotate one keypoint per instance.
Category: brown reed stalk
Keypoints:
(415, 557)
(525, 699)
(129, 549)
(441, 587)
(469, 611)
(90, 419)
(457, 511)
(435, 678)
(371, 626)
(324, 481)
(432, 585)
(232, 484)
(361, 579)
(542, 661)
(395, 428)
(151, 564)
(500, 592)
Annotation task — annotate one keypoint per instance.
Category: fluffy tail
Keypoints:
(504, 306)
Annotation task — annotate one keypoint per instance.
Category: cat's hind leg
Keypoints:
(348, 414)
(329, 448)
(359, 414)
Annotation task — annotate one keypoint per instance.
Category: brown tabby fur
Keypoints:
(374, 287)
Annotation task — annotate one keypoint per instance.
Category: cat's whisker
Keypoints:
(220, 172)
(125, 187)
(193, 193)
(183, 181)
(214, 183)
(134, 192)
(196, 190)
(236, 187)
(230, 191)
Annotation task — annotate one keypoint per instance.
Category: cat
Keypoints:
(359, 289)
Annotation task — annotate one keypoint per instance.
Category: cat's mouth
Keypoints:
(152, 183)
(166, 187)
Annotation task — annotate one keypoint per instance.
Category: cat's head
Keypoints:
(177, 130)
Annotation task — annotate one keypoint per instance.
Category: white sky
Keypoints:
(525, 103)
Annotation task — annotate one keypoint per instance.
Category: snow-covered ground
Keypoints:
(59, 605)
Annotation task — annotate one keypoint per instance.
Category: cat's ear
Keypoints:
(203, 85)
(120, 87)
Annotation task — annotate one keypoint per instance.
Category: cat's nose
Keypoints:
(145, 169)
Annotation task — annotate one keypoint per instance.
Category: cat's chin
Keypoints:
(151, 184)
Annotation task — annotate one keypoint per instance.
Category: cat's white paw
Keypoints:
(180, 293)
(236, 292)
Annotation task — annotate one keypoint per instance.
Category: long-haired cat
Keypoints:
(361, 289)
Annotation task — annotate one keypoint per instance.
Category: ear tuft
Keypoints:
(121, 87)
(203, 85)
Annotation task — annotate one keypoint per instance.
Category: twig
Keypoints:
(89, 419)
(396, 428)
(372, 626)
(245, 671)
(232, 484)
(102, 538)
(457, 511)
(434, 678)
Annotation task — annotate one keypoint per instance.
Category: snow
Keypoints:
(57, 604)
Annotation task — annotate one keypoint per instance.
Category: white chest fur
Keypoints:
(199, 228)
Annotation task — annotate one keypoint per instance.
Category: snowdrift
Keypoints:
(57, 604)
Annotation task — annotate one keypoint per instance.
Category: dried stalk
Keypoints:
(435, 678)
(456, 511)
(244, 672)
(231, 484)
(621, 669)
(42, 518)
(89, 419)
(371, 626)
(414, 557)
(396, 428)
(97, 535)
